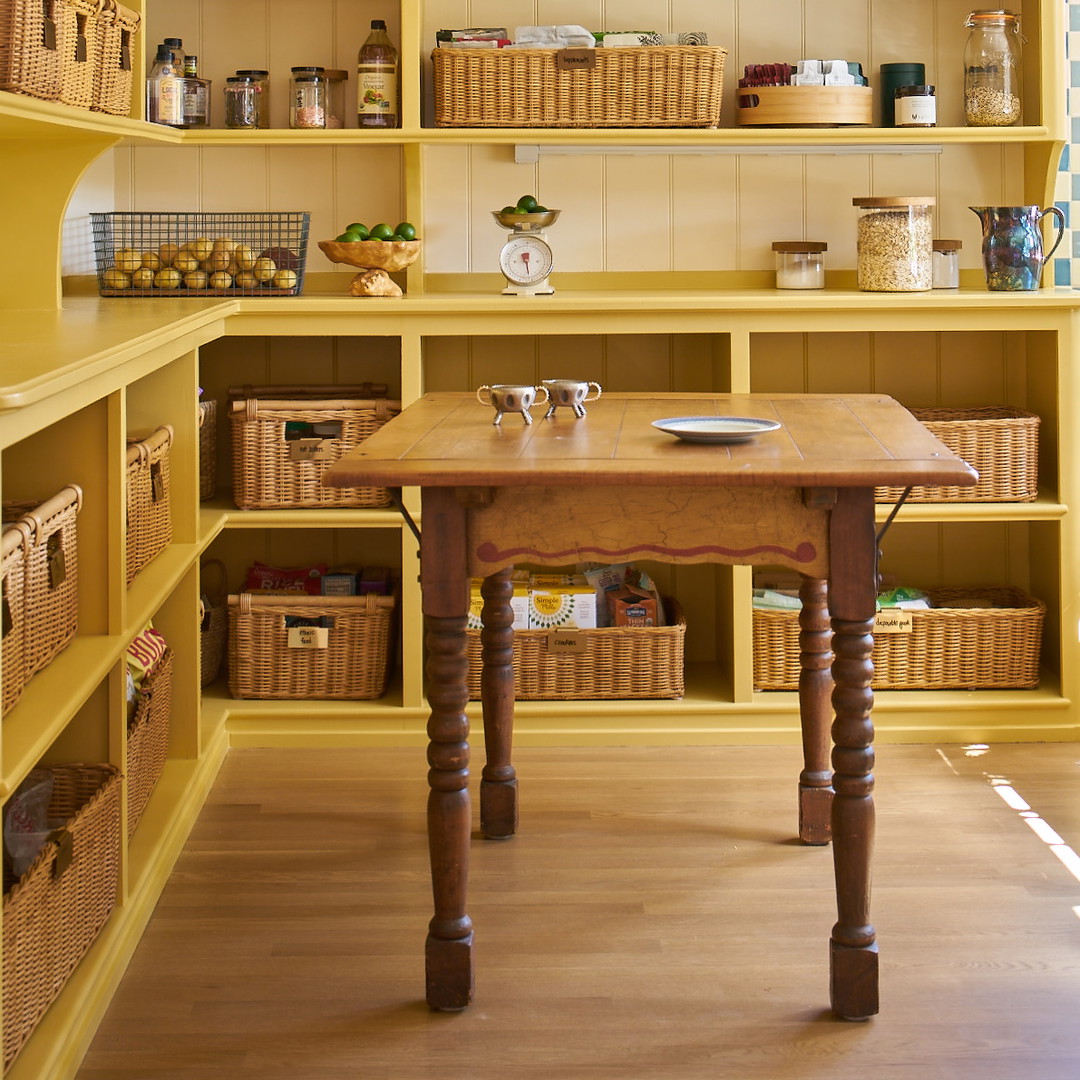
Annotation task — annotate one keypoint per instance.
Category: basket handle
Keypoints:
(216, 566)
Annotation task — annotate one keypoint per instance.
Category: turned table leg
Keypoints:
(815, 710)
(852, 593)
(448, 951)
(498, 783)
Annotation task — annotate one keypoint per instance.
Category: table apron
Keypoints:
(551, 526)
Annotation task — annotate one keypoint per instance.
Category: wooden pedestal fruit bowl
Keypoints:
(388, 255)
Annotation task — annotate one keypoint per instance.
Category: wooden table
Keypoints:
(609, 487)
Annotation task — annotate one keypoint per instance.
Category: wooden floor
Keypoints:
(654, 918)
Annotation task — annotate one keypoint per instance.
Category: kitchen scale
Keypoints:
(526, 259)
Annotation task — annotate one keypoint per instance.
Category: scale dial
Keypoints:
(526, 262)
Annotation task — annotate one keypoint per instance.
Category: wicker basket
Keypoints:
(1000, 443)
(619, 662)
(635, 87)
(273, 470)
(80, 52)
(149, 516)
(950, 647)
(30, 46)
(213, 621)
(52, 574)
(348, 656)
(117, 27)
(148, 737)
(53, 913)
(14, 552)
(207, 448)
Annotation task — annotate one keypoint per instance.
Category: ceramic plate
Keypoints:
(715, 429)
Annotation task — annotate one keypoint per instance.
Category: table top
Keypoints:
(833, 440)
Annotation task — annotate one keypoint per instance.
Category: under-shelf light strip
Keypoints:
(530, 153)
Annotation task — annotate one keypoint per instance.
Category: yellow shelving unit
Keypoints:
(79, 373)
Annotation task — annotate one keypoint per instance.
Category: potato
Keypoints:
(128, 259)
(151, 260)
(196, 279)
(264, 269)
(244, 256)
(168, 278)
(221, 280)
(143, 278)
(285, 279)
(245, 279)
(168, 251)
(201, 248)
(186, 261)
(115, 278)
(218, 260)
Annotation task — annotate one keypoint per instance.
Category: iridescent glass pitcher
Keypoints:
(1012, 246)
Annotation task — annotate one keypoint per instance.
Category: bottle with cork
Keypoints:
(377, 82)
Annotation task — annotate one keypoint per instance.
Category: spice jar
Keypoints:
(800, 264)
(895, 238)
(946, 260)
(915, 106)
(262, 87)
(242, 102)
(992, 69)
(307, 97)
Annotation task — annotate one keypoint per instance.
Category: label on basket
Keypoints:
(567, 641)
(310, 450)
(48, 34)
(309, 637)
(157, 482)
(65, 850)
(575, 59)
(893, 621)
(7, 624)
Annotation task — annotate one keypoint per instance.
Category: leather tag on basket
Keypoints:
(310, 450)
(893, 621)
(157, 482)
(57, 564)
(575, 59)
(65, 850)
(566, 641)
(48, 34)
(7, 624)
(308, 637)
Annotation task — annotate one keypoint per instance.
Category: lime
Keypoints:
(538, 209)
(357, 226)
(405, 231)
(382, 231)
(526, 204)
(509, 210)
(348, 237)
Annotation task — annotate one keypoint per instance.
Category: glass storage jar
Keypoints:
(946, 260)
(335, 97)
(307, 97)
(800, 264)
(262, 88)
(992, 69)
(242, 102)
(894, 249)
(915, 106)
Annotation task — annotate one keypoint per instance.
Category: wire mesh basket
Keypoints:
(200, 254)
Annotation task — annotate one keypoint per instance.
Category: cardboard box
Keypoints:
(631, 606)
(561, 602)
(519, 603)
(374, 579)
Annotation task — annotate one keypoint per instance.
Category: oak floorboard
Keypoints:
(655, 917)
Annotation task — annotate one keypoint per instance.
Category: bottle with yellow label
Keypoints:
(377, 82)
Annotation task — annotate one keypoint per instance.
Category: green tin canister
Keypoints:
(892, 76)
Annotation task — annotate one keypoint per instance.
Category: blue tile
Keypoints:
(1064, 166)
(1066, 208)
(1074, 16)
(1062, 275)
(1074, 245)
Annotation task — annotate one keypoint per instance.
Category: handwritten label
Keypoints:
(575, 59)
(893, 621)
(309, 450)
(309, 637)
(566, 641)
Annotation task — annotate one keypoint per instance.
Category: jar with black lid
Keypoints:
(915, 106)
(307, 97)
(262, 88)
(242, 102)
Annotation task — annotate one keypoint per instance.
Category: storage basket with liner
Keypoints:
(52, 574)
(55, 910)
(258, 253)
(1001, 443)
(281, 447)
(14, 550)
(80, 53)
(310, 647)
(633, 87)
(618, 662)
(149, 513)
(207, 448)
(148, 737)
(117, 27)
(35, 37)
(951, 646)
(213, 620)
